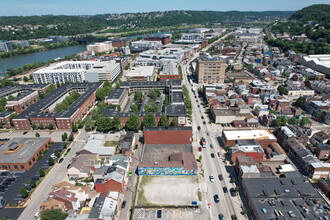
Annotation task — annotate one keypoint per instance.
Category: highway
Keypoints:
(228, 205)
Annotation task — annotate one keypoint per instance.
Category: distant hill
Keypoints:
(314, 21)
(70, 25)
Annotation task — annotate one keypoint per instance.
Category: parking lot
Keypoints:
(11, 190)
(56, 135)
(151, 214)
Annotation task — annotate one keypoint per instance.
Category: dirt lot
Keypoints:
(162, 152)
(168, 190)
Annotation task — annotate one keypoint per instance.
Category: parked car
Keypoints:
(159, 213)
(25, 132)
(220, 177)
(232, 192)
(202, 117)
(198, 127)
(2, 202)
(216, 198)
(211, 145)
(68, 150)
(221, 217)
(204, 122)
(225, 190)
(233, 217)
(123, 204)
(219, 154)
(69, 165)
(61, 160)
(37, 215)
(35, 178)
(5, 174)
(211, 178)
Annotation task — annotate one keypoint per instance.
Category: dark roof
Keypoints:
(247, 142)
(97, 207)
(116, 93)
(36, 110)
(5, 91)
(176, 110)
(113, 112)
(152, 83)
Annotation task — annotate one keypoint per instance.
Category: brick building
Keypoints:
(165, 39)
(160, 135)
(248, 148)
(264, 137)
(42, 112)
(22, 153)
(121, 42)
(170, 71)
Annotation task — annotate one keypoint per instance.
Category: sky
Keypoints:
(92, 7)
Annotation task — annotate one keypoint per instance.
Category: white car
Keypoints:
(211, 178)
(37, 215)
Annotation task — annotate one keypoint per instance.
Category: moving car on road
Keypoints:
(216, 198)
(212, 155)
(225, 190)
(211, 178)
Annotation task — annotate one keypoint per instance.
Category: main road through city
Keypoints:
(228, 205)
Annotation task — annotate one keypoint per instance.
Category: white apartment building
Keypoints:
(105, 46)
(105, 70)
(192, 36)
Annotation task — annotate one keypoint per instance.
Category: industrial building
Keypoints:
(22, 153)
(210, 70)
(319, 62)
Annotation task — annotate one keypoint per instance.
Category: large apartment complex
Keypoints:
(211, 70)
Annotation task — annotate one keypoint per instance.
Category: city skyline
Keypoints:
(39, 7)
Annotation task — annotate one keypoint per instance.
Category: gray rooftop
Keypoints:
(27, 148)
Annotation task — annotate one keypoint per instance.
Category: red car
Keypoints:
(200, 149)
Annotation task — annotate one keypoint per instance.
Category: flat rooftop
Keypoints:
(142, 71)
(169, 128)
(116, 93)
(25, 149)
(249, 134)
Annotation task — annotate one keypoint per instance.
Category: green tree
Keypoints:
(50, 161)
(115, 123)
(175, 122)
(53, 214)
(305, 121)
(149, 120)
(50, 126)
(300, 101)
(37, 134)
(133, 122)
(57, 153)
(293, 121)
(71, 137)
(89, 123)
(23, 192)
(103, 123)
(74, 128)
(282, 90)
(200, 158)
(33, 183)
(80, 124)
(134, 108)
(25, 79)
(41, 126)
(64, 136)
(41, 172)
(280, 121)
(164, 121)
(138, 96)
(11, 118)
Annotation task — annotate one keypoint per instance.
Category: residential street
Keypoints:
(56, 175)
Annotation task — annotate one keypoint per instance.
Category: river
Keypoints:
(19, 61)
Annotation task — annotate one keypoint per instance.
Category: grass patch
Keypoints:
(142, 201)
(5, 130)
(111, 143)
(199, 194)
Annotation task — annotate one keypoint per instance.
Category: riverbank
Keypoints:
(36, 48)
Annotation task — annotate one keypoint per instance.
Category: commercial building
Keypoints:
(42, 112)
(165, 39)
(297, 92)
(318, 62)
(118, 97)
(5, 46)
(120, 42)
(292, 196)
(264, 137)
(142, 45)
(100, 47)
(142, 73)
(63, 72)
(145, 86)
(159, 135)
(192, 36)
(248, 148)
(210, 70)
(105, 70)
(22, 153)
(170, 71)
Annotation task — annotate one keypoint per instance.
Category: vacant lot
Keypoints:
(162, 152)
(167, 190)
